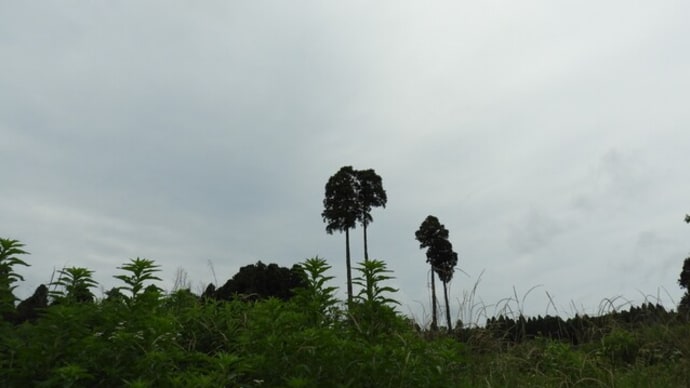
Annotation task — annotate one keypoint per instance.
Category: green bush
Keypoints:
(620, 347)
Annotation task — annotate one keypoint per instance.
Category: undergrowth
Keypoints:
(143, 337)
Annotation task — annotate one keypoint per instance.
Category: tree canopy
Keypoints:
(430, 231)
(341, 208)
(370, 194)
(260, 281)
(440, 255)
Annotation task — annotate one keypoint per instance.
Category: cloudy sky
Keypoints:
(549, 137)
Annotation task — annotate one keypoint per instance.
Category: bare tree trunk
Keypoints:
(347, 263)
(445, 293)
(366, 250)
(434, 318)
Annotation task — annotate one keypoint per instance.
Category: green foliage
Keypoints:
(316, 298)
(620, 347)
(70, 375)
(372, 313)
(9, 250)
(140, 271)
(182, 340)
(372, 274)
(73, 285)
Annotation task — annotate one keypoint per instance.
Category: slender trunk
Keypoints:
(445, 294)
(366, 250)
(434, 321)
(347, 263)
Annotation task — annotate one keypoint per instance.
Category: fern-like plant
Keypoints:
(372, 274)
(317, 298)
(140, 271)
(371, 313)
(73, 285)
(9, 249)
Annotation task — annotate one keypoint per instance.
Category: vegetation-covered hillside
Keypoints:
(139, 336)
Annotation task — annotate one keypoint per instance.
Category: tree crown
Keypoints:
(350, 196)
(429, 231)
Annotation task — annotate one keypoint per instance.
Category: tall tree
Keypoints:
(429, 232)
(341, 211)
(443, 260)
(370, 194)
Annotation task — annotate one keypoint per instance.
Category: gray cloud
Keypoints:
(548, 138)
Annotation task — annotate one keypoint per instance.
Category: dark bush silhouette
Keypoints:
(30, 308)
(684, 282)
(209, 292)
(260, 281)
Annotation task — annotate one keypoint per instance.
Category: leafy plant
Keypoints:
(316, 298)
(140, 271)
(9, 249)
(74, 285)
(620, 347)
(372, 312)
(372, 274)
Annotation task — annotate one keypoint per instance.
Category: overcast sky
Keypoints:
(549, 137)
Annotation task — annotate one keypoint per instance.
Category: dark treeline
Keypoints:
(259, 281)
(576, 330)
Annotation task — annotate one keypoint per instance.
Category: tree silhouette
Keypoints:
(443, 261)
(370, 193)
(260, 281)
(684, 282)
(684, 279)
(429, 232)
(30, 308)
(341, 211)
(73, 286)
